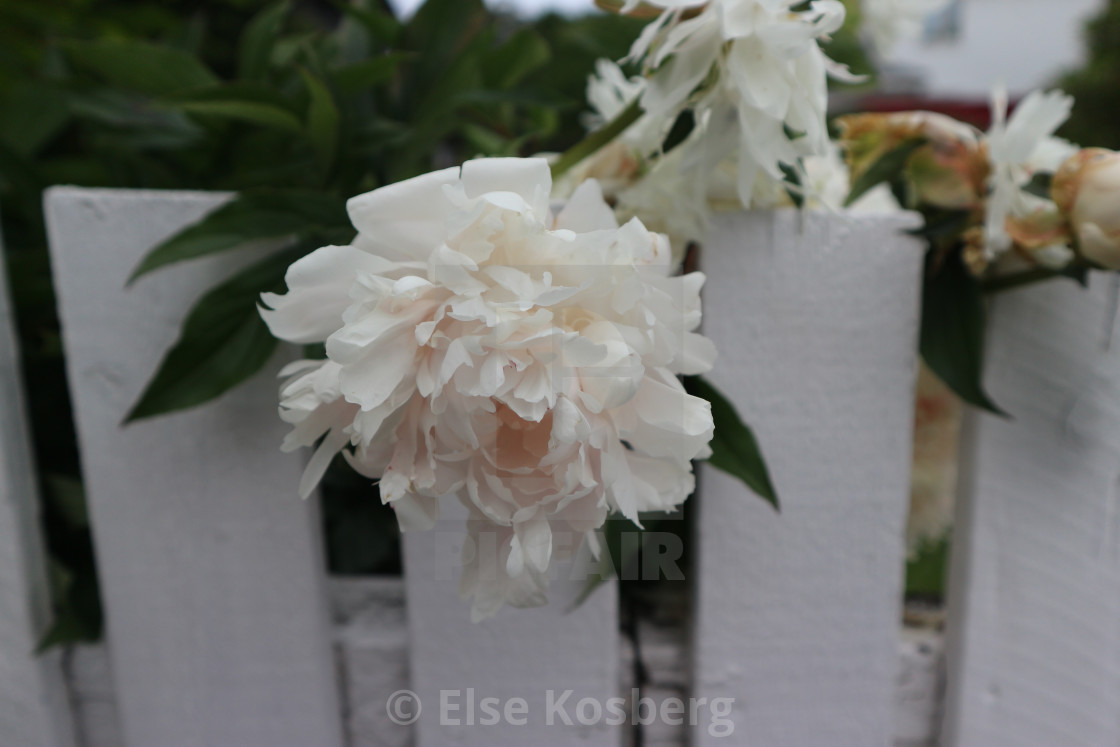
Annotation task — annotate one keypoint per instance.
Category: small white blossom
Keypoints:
(1013, 146)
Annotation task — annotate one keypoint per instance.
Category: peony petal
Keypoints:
(405, 218)
(529, 178)
(535, 539)
(586, 210)
(317, 466)
(416, 513)
(370, 380)
(318, 293)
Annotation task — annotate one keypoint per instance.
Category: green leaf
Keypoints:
(141, 66)
(511, 63)
(255, 47)
(322, 118)
(793, 185)
(368, 73)
(141, 122)
(223, 342)
(682, 127)
(380, 25)
(265, 115)
(250, 216)
(885, 169)
(952, 333)
(734, 447)
(32, 115)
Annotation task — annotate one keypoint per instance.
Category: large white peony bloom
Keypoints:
(754, 74)
(483, 350)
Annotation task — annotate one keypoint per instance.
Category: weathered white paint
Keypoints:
(796, 615)
(518, 653)
(1034, 654)
(210, 566)
(34, 709)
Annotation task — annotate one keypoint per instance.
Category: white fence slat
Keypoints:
(797, 614)
(34, 706)
(210, 565)
(522, 653)
(1034, 630)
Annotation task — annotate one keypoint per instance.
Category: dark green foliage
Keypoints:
(953, 327)
(259, 98)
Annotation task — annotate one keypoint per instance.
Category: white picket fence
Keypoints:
(220, 628)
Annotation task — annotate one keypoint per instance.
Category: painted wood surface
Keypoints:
(34, 708)
(534, 654)
(210, 565)
(371, 639)
(1034, 649)
(797, 615)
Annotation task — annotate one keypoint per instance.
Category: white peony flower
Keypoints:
(754, 74)
(481, 349)
(1015, 146)
(887, 22)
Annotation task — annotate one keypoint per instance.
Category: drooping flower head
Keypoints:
(480, 348)
(754, 75)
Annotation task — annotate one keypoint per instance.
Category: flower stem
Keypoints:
(597, 139)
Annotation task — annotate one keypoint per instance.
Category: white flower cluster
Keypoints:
(481, 349)
(674, 193)
(754, 75)
(1017, 148)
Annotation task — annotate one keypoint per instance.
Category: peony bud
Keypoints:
(1087, 189)
(949, 171)
(948, 174)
